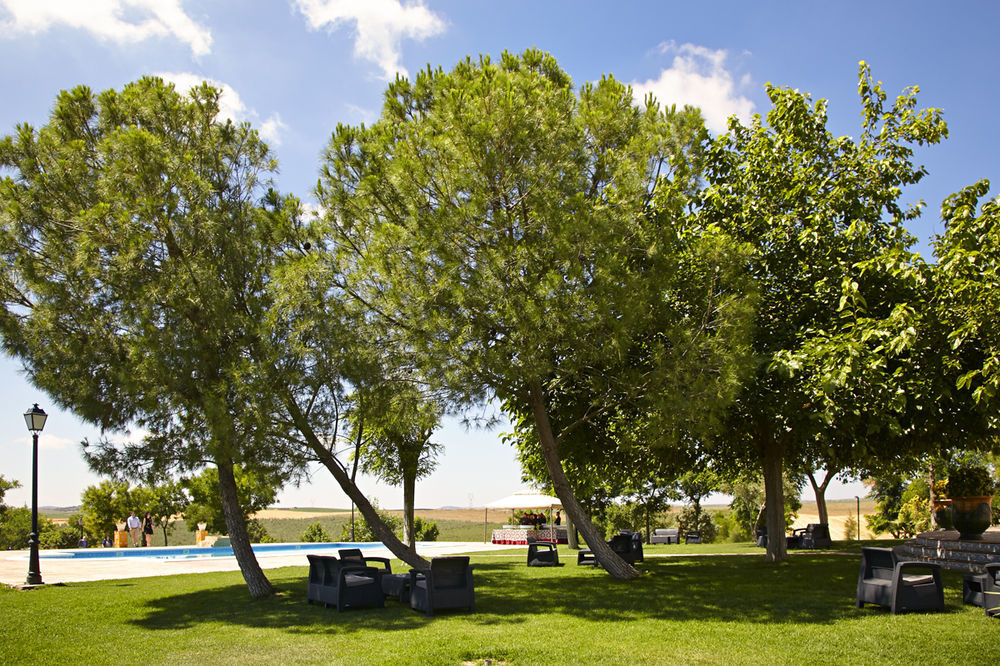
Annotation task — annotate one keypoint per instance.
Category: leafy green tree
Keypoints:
(15, 522)
(168, 500)
(397, 446)
(969, 269)
(254, 491)
(104, 506)
(138, 239)
(827, 229)
(528, 243)
(750, 502)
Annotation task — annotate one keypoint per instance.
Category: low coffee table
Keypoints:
(397, 585)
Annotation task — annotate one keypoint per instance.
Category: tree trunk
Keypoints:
(819, 490)
(409, 488)
(608, 559)
(326, 457)
(774, 498)
(571, 540)
(257, 582)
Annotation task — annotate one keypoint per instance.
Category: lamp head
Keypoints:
(35, 418)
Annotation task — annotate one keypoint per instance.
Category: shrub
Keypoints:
(424, 530)
(728, 529)
(969, 481)
(53, 536)
(316, 534)
(851, 528)
(257, 532)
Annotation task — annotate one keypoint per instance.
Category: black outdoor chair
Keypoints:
(636, 545)
(332, 583)
(813, 535)
(974, 586)
(355, 556)
(542, 554)
(447, 583)
(887, 581)
(762, 536)
(991, 590)
(694, 536)
(622, 545)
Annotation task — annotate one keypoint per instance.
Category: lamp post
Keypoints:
(858, 499)
(35, 418)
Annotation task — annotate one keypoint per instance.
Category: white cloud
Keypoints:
(380, 25)
(120, 21)
(698, 76)
(271, 129)
(231, 106)
(46, 441)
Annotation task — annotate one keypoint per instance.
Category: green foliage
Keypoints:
(623, 516)
(969, 271)
(839, 291)
(15, 526)
(749, 502)
(888, 491)
(110, 502)
(914, 516)
(692, 518)
(255, 491)
(969, 481)
(425, 530)
(728, 529)
(58, 536)
(851, 529)
(316, 534)
(530, 244)
(105, 505)
(137, 285)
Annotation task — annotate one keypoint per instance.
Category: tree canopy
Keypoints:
(525, 241)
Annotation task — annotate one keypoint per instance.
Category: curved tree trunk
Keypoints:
(381, 530)
(774, 498)
(236, 525)
(819, 490)
(608, 559)
(326, 457)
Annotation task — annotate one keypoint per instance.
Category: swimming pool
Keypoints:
(191, 552)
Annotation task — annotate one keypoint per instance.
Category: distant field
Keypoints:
(288, 524)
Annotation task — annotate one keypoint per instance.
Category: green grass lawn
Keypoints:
(719, 609)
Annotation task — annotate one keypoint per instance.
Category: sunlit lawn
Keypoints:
(722, 609)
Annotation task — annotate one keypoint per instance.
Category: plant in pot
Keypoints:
(971, 491)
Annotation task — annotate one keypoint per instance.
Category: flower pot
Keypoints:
(971, 515)
(942, 514)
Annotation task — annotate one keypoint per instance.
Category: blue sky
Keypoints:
(296, 68)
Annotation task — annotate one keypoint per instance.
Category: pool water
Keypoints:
(191, 552)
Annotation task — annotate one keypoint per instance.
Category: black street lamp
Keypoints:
(35, 418)
(859, 516)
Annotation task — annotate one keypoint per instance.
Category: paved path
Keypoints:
(14, 564)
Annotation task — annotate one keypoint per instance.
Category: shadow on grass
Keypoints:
(810, 589)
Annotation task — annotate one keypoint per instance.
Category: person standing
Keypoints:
(133, 524)
(558, 520)
(147, 528)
